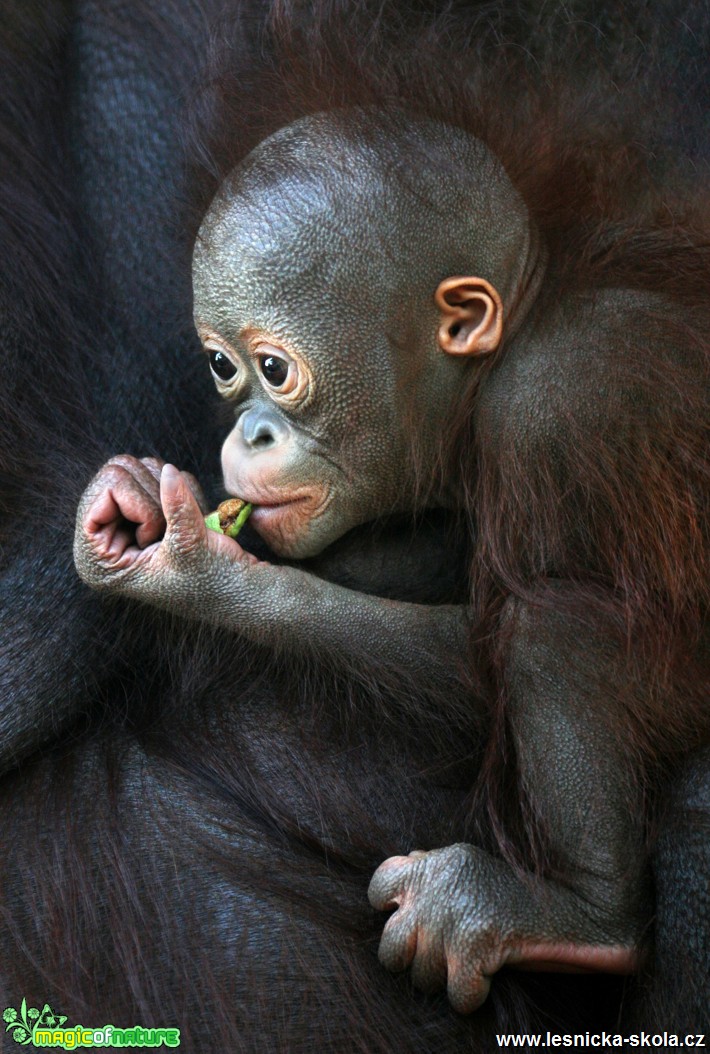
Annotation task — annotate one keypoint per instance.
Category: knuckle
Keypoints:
(154, 465)
(107, 476)
(455, 858)
(380, 898)
(124, 461)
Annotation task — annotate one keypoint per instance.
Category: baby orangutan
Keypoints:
(350, 313)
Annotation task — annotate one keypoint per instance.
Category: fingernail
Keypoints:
(169, 473)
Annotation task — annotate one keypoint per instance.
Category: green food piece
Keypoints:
(229, 518)
(212, 522)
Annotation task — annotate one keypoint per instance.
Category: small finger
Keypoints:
(388, 884)
(118, 499)
(119, 496)
(154, 466)
(140, 472)
(148, 530)
(102, 526)
(429, 970)
(186, 533)
(467, 986)
(398, 944)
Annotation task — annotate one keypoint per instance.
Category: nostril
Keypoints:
(259, 431)
(262, 439)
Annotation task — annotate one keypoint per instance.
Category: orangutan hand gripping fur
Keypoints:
(351, 313)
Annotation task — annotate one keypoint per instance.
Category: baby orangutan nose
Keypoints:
(262, 429)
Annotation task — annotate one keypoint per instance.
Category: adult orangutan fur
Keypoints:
(189, 826)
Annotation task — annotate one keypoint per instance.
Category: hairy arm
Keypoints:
(462, 913)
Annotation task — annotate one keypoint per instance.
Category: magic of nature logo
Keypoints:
(30, 1026)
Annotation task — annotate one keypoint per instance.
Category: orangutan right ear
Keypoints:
(471, 316)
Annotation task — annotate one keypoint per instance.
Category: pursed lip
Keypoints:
(267, 509)
(270, 506)
(259, 504)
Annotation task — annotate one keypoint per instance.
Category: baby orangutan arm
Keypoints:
(141, 534)
(463, 914)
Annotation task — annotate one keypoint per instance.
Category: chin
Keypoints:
(290, 533)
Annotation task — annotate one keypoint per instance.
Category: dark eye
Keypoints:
(222, 366)
(274, 369)
(280, 373)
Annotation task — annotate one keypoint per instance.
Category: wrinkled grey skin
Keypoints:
(315, 248)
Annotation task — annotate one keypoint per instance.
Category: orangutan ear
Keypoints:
(471, 316)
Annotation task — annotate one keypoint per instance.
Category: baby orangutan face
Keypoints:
(342, 377)
(316, 445)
